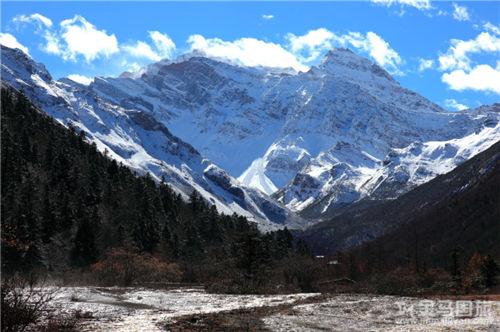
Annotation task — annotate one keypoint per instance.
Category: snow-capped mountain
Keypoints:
(315, 141)
(324, 137)
(134, 137)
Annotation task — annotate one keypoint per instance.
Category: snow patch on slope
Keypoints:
(255, 177)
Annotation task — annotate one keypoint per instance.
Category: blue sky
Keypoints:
(446, 51)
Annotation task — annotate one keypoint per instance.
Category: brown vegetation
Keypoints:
(124, 268)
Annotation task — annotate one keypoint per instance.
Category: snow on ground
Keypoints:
(139, 309)
(388, 313)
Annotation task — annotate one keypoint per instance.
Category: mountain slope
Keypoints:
(317, 141)
(135, 138)
(322, 137)
(65, 206)
(461, 207)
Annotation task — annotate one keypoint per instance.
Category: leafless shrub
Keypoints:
(23, 302)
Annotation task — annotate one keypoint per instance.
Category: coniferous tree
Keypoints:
(66, 204)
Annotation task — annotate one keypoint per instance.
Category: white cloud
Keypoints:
(80, 79)
(267, 16)
(424, 64)
(9, 40)
(141, 50)
(83, 38)
(76, 37)
(38, 19)
(461, 73)
(418, 4)
(480, 78)
(460, 13)
(52, 44)
(43, 26)
(311, 45)
(131, 66)
(247, 52)
(454, 105)
(457, 56)
(381, 51)
(163, 47)
(492, 28)
(376, 47)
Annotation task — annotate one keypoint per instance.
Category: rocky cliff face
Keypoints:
(324, 138)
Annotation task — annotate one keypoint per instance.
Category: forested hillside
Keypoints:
(70, 211)
(444, 234)
(65, 206)
(453, 227)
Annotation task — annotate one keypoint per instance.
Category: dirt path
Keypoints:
(237, 320)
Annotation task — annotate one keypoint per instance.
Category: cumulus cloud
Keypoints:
(424, 64)
(43, 26)
(300, 51)
(9, 40)
(141, 50)
(460, 13)
(80, 79)
(51, 43)
(78, 38)
(480, 78)
(267, 16)
(458, 55)
(462, 73)
(377, 48)
(454, 105)
(163, 47)
(418, 4)
(75, 37)
(311, 45)
(82, 38)
(246, 51)
(36, 18)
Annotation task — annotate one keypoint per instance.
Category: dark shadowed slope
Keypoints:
(460, 208)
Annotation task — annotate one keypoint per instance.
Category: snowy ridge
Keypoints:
(285, 129)
(135, 138)
(340, 132)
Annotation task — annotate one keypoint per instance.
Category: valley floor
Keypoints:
(188, 309)
(139, 309)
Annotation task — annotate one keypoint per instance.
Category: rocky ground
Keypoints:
(142, 309)
(191, 309)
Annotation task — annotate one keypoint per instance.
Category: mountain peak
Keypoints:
(21, 65)
(342, 55)
(343, 60)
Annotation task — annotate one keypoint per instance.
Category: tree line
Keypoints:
(65, 205)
